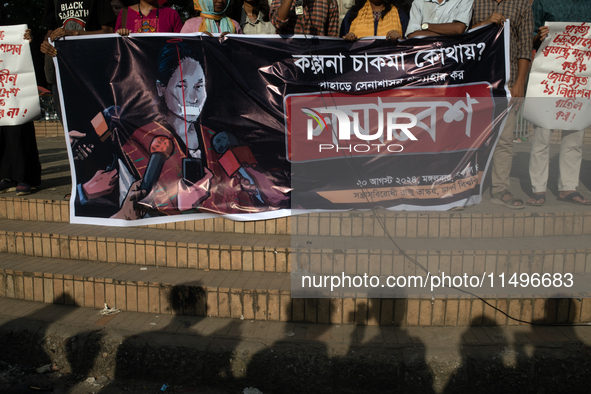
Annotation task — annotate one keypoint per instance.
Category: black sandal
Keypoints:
(571, 198)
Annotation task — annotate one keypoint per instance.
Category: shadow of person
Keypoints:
(66, 359)
(560, 360)
(299, 362)
(345, 358)
(192, 359)
(382, 358)
(489, 364)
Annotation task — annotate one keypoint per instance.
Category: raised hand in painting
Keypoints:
(271, 193)
(191, 195)
(102, 183)
(131, 209)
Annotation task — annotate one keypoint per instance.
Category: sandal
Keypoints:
(497, 198)
(536, 197)
(571, 198)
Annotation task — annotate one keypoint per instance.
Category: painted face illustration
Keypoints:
(191, 84)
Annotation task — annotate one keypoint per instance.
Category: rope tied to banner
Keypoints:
(184, 102)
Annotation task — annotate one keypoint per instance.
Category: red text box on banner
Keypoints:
(405, 120)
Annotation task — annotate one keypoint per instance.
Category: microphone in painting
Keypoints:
(106, 122)
(160, 150)
(233, 156)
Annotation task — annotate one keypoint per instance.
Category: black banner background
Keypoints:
(247, 80)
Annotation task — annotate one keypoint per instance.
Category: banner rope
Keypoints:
(184, 102)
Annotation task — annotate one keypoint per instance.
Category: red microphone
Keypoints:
(232, 160)
(161, 149)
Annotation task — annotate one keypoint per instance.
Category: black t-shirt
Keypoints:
(87, 15)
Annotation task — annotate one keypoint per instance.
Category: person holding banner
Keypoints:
(72, 18)
(148, 16)
(253, 16)
(519, 13)
(210, 17)
(20, 168)
(571, 145)
(439, 17)
(315, 17)
(374, 18)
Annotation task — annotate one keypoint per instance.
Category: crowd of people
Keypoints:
(394, 19)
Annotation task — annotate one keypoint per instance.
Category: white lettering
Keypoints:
(395, 151)
(404, 127)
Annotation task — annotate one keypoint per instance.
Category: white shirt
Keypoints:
(258, 27)
(430, 11)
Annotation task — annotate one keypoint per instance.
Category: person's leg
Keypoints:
(7, 184)
(569, 165)
(56, 102)
(501, 164)
(538, 164)
(21, 162)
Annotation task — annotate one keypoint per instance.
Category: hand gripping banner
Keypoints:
(164, 128)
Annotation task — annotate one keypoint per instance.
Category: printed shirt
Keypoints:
(163, 20)
(430, 11)
(89, 15)
(519, 13)
(258, 27)
(320, 18)
(563, 11)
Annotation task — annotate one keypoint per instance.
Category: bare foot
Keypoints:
(537, 199)
(508, 197)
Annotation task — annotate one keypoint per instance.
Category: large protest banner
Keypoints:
(179, 127)
(19, 100)
(559, 91)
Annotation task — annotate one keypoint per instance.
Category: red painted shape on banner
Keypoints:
(229, 163)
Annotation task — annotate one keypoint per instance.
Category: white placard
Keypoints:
(559, 88)
(19, 99)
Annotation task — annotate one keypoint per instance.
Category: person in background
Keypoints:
(439, 17)
(571, 145)
(148, 16)
(519, 13)
(253, 16)
(374, 18)
(317, 17)
(117, 6)
(210, 17)
(20, 168)
(83, 18)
